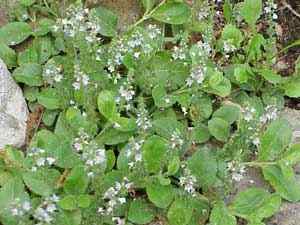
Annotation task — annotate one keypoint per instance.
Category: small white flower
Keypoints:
(40, 161)
(50, 160)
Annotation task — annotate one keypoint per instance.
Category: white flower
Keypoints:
(176, 140)
(41, 161)
(228, 47)
(50, 160)
(248, 114)
(81, 79)
(143, 122)
(188, 181)
(127, 93)
(197, 75)
(271, 113)
(203, 14)
(179, 53)
(237, 171)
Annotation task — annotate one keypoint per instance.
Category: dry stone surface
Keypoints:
(13, 110)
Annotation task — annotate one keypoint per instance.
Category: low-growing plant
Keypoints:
(153, 125)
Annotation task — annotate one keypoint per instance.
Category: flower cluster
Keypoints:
(248, 113)
(270, 114)
(134, 152)
(270, 9)
(197, 75)
(45, 212)
(126, 93)
(201, 52)
(176, 140)
(143, 121)
(20, 208)
(188, 181)
(52, 73)
(81, 78)
(92, 156)
(136, 44)
(77, 20)
(228, 48)
(237, 171)
(204, 11)
(40, 158)
(180, 52)
(114, 196)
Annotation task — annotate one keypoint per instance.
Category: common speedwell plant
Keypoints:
(154, 125)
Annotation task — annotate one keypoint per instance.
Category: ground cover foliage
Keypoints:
(153, 125)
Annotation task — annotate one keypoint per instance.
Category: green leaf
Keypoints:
(14, 33)
(154, 152)
(173, 166)
(160, 195)
(45, 48)
(201, 108)
(49, 117)
(140, 212)
(125, 124)
(8, 55)
(41, 182)
(180, 212)
(166, 126)
(10, 191)
(111, 136)
(292, 156)
(148, 4)
(83, 201)
(68, 218)
(107, 105)
(203, 166)
(69, 202)
(256, 223)
(30, 93)
(270, 76)
(29, 55)
(58, 147)
(286, 186)
(220, 215)
(161, 98)
(49, 98)
(200, 133)
(227, 10)
(27, 2)
(229, 113)
(111, 160)
(106, 19)
(232, 34)
(44, 26)
(251, 11)
(275, 139)
(219, 84)
(242, 73)
(254, 48)
(29, 73)
(255, 203)
(291, 87)
(172, 13)
(219, 128)
(77, 182)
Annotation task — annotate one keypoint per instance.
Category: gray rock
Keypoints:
(289, 213)
(293, 116)
(13, 110)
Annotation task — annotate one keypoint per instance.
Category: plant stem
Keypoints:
(258, 164)
(147, 15)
